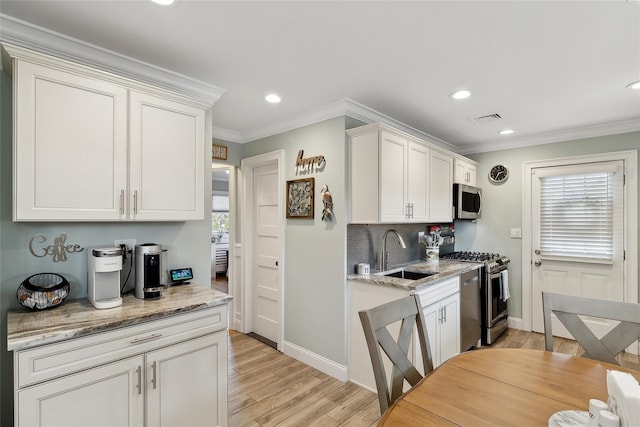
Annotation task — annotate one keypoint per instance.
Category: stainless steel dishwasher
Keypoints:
(470, 325)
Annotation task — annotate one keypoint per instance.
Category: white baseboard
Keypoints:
(316, 361)
(514, 322)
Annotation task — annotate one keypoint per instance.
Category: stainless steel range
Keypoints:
(494, 292)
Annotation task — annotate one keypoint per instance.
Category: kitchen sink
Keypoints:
(410, 275)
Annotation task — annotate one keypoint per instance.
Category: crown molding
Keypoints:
(29, 36)
(342, 107)
(625, 126)
(227, 135)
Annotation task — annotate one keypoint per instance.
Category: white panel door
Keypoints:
(267, 293)
(70, 146)
(393, 178)
(575, 275)
(111, 395)
(167, 159)
(187, 383)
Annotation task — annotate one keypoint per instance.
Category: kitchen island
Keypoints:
(439, 292)
(148, 362)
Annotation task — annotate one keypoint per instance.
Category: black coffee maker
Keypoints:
(148, 271)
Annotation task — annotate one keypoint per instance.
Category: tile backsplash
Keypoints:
(364, 243)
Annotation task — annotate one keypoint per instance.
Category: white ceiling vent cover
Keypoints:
(488, 118)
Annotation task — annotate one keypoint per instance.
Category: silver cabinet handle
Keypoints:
(121, 202)
(139, 386)
(444, 310)
(135, 202)
(145, 339)
(153, 377)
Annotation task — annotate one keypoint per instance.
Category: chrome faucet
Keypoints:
(384, 255)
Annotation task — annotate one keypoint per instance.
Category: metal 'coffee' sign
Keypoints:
(58, 250)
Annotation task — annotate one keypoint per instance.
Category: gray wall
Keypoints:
(314, 265)
(502, 208)
(188, 243)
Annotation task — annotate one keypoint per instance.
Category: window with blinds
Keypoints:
(577, 215)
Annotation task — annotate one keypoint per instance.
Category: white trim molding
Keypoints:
(42, 40)
(329, 367)
(630, 267)
(247, 166)
(342, 107)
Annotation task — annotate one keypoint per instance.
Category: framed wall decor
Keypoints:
(300, 198)
(219, 152)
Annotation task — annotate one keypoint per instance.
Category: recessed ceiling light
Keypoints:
(163, 2)
(634, 85)
(273, 98)
(506, 132)
(461, 94)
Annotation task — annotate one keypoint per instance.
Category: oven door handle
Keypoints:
(496, 275)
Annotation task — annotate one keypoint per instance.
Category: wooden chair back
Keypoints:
(567, 309)
(374, 322)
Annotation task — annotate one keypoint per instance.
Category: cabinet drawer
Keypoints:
(438, 291)
(54, 360)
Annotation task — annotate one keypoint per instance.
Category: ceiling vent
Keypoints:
(488, 118)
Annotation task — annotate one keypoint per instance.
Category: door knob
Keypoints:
(537, 263)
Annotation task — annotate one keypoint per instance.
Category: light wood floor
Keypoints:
(267, 388)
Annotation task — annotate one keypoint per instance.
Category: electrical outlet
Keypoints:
(420, 236)
(130, 243)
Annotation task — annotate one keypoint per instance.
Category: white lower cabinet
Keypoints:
(170, 372)
(185, 379)
(443, 326)
(441, 305)
(104, 396)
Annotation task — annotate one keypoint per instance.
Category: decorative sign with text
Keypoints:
(310, 163)
(58, 250)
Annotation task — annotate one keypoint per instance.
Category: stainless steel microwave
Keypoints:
(467, 201)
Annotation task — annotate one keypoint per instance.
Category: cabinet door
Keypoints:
(432, 317)
(418, 182)
(471, 174)
(464, 173)
(450, 327)
(441, 187)
(166, 170)
(111, 395)
(69, 146)
(393, 178)
(187, 383)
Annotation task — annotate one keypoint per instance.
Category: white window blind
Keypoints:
(577, 215)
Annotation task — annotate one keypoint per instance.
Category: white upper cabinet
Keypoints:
(397, 178)
(464, 172)
(393, 178)
(441, 188)
(91, 146)
(166, 159)
(70, 145)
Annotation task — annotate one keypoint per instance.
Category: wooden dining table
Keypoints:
(502, 387)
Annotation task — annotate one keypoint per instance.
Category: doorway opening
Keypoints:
(220, 227)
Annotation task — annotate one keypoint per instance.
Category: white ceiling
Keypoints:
(553, 70)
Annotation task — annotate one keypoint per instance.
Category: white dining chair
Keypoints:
(408, 310)
(568, 308)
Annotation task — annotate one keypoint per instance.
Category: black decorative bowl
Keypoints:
(42, 291)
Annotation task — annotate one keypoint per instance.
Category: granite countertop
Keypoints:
(442, 270)
(75, 318)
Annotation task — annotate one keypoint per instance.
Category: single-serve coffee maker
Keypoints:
(103, 271)
(148, 271)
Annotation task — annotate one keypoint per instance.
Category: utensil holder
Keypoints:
(433, 253)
